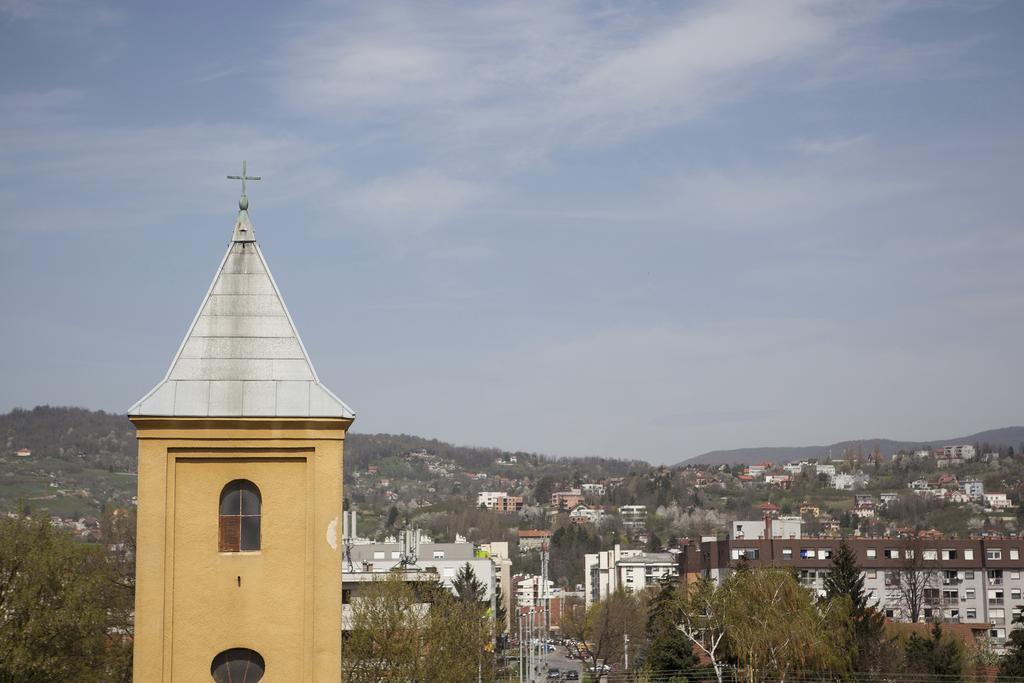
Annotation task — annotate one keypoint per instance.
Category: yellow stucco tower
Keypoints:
(240, 467)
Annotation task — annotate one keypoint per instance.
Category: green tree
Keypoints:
(776, 628)
(937, 656)
(467, 587)
(383, 642)
(55, 597)
(846, 582)
(392, 517)
(653, 543)
(1012, 665)
(404, 630)
(668, 649)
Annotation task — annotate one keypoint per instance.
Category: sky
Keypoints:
(638, 230)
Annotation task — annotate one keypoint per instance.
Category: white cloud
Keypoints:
(415, 200)
(537, 75)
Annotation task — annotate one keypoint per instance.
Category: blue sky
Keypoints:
(627, 229)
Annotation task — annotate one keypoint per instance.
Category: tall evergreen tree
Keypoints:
(846, 578)
(668, 650)
(846, 582)
(1012, 665)
(469, 588)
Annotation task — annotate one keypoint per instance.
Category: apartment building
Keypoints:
(444, 559)
(781, 527)
(976, 581)
(566, 500)
(631, 570)
(499, 501)
(634, 517)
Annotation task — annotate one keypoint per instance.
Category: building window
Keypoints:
(949, 554)
(969, 594)
(872, 553)
(930, 555)
(438, 555)
(238, 665)
(892, 554)
(787, 553)
(872, 573)
(240, 506)
(890, 613)
(1014, 554)
(993, 554)
(968, 554)
(824, 553)
(972, 613)
(1015, 576)
(968, 574)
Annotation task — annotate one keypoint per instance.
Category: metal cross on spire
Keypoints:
(244, 177)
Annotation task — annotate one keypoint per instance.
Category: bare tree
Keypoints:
(601, 628)
(704, 621)
(914, 581)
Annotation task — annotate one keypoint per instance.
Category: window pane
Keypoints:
(238, 665)
(229, 501)
(229, 530)
(250, 500)
(250, 533)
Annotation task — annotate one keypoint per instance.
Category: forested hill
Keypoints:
(106, 441)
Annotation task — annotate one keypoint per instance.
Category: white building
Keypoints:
(634, 517)
(631, 570)
(528, 590)
(599, 577)
(795, 468)
(827, 470)
(973, 488)
(446, 558)
(964, 452)
(783, 527)
(489, 499)
(582, 514)
(592, 489)
(996, 501)
(848, 482)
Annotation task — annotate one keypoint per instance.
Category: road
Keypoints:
(558, 659)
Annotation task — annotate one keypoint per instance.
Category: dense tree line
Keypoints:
(65, 607)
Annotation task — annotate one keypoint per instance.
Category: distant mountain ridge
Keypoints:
(1002, 437)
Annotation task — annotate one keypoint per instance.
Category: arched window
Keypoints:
(240, 505)
(237, 665)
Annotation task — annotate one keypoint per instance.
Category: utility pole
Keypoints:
(522, 652)
(625, 643)
(545, 598)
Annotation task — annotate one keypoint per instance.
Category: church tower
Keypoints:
(238, 569)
